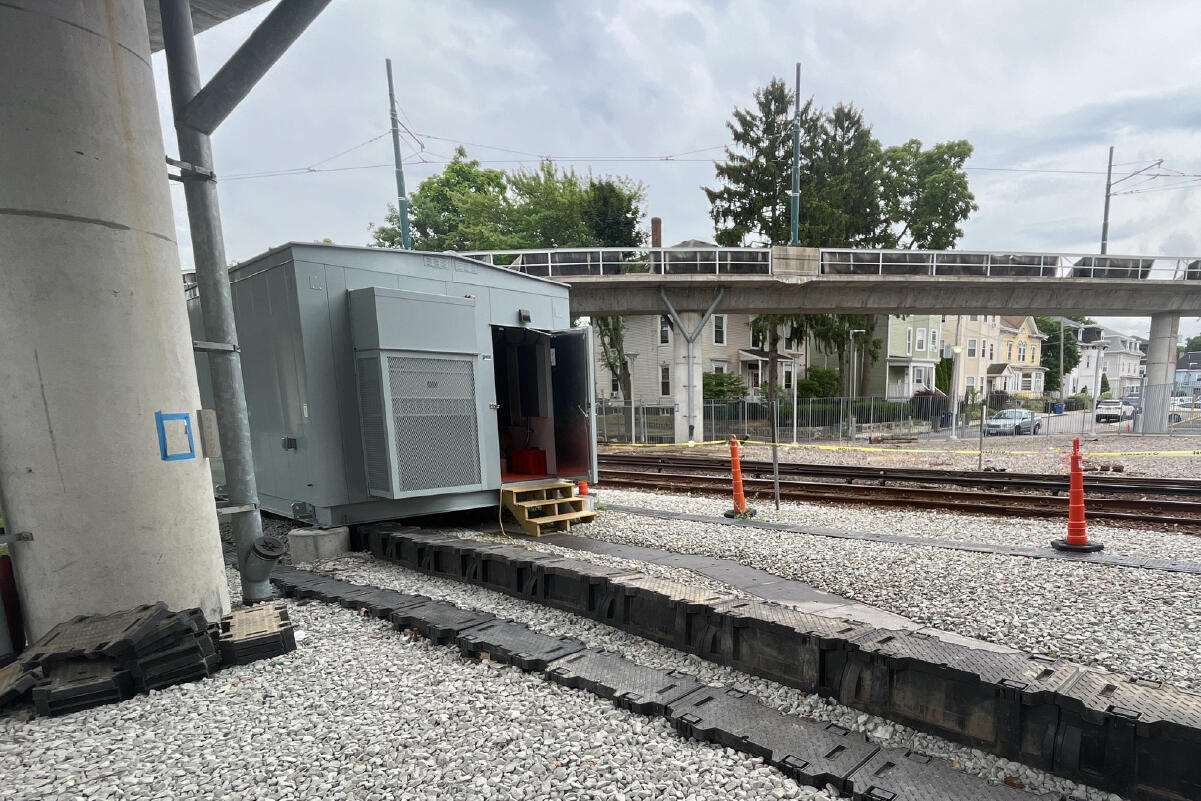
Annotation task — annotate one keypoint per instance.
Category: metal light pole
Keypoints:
(1108, 187)
(402, 201)
(796, 159)
(956, 349)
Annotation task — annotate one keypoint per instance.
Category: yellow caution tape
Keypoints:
(895, 448)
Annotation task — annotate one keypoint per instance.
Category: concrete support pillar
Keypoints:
(93, 332)
(1161, 372)
(686, 374)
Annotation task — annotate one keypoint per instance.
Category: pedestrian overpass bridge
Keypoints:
(691, 283)
(790, 280)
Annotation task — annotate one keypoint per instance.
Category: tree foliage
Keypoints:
(723, 386)
(466, 207)
(1191, 345)
(853, 193)
(1050, 352)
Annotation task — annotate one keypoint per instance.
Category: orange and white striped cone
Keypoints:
(1077, 539)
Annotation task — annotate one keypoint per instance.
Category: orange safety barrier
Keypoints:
(736, 471)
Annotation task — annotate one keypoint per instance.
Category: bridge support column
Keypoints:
(1161, 372)
(93, 331)
(690, 423)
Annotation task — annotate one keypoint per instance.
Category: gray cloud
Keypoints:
(1031, 84)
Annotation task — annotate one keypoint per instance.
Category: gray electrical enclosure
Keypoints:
(386, 384)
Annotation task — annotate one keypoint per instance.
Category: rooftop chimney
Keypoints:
(656, 232)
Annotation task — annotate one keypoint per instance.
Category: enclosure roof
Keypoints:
(326, 246)
(205, 15)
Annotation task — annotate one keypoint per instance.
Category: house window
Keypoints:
(990, 351)
(719, 367)
(1027, 382)
(787, 376)
(1021, 351)
(664, 329)
(908, 341)
(1034, 354)
(756, 338)
(971, 348)
(944, 318)
(934, 339)
(614, 384)
(1009, 351)
(971, 382)
(719, 329)
(919, 376)
(665, 380)
(973, 317)
(921, 339)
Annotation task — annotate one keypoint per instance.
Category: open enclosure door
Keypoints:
(575, 420)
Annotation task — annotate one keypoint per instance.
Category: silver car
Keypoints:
(1012, 421)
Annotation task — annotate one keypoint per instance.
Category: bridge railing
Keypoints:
(1007, 265)
(568, 262)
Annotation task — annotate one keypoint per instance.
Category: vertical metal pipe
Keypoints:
(402, 200)
(983, 417)
(775, 450)
(216, 303)
(796, 159)
(1105, 219)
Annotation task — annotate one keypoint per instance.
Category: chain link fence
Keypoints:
(925, 416)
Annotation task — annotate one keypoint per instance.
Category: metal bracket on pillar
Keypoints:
(201, 345)
(16, 536)
(239, 509)
(190, 172)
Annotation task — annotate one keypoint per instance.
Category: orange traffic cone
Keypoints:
(740, 508)
(1077, 539)
(583, 487)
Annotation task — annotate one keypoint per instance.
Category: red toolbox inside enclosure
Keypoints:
(528, 461)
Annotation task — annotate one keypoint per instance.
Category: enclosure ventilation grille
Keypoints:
(434, 418)
(375, 434)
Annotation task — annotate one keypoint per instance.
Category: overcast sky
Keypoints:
(601, 86)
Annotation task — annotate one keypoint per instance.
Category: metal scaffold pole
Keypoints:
(212, 278)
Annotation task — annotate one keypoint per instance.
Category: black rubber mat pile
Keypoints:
(101, 659)
(811, 753)
(1128, 736)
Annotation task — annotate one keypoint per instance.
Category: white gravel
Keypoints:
(1039, 454)
(359, 711)
(935, 525)
(1130, 620)
(363, 568)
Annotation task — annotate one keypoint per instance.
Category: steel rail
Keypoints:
(1158, 512)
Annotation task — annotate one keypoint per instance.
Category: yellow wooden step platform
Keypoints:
(540, 506)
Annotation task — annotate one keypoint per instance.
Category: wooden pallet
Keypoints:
(541, 506)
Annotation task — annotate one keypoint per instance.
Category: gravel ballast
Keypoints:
(362, 568)
(360, 711)
(1134, 621)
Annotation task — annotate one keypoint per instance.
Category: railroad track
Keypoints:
(1136, 500)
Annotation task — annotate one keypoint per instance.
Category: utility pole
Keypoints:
(402, 202)
(796, 158)
(1105, 220)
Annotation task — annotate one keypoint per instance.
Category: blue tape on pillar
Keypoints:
(159, 419)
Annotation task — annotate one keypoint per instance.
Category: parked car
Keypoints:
(1013, 421)
(1112, 410)
(1183, 405)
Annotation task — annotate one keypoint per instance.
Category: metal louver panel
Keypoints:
(375, 432)
(434, 422)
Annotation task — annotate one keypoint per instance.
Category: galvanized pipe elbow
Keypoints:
(256, 568)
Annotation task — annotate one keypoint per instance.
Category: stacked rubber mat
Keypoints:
(101, 659)
(811, 753)
(1129, 736)
(258, 632)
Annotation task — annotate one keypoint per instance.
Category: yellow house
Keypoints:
(1021, 351)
